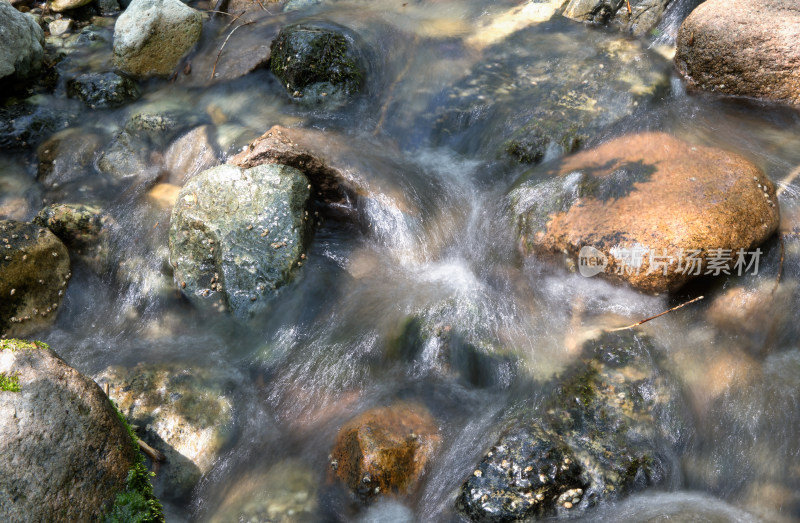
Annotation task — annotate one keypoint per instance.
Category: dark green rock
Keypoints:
(237, 235)
(34, 271)
(605, 430)
(103, 90)
(84, 229)
(574, 83)
(318, 63)
(24, 125)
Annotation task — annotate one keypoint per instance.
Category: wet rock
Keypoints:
(318, 63)
(596, 438)
(384, 450)
(741, 48)
(186, 411)
(644, 14)
(160, 122)
(151, 36)
(107, 7)
(34, 271)
(84, 229)
(25, 124)
(22, 47)
(67, 156)
(647, 209)
(237, 235)
(125, 158)
(753, 311)
(284, 493)
(574, 82)
(103, 90)
(452, 338)
(191, 154)
(297, 5)
(60, 27)
(65, 5)
(64, 453)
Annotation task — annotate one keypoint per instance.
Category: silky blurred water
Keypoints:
(320, 354)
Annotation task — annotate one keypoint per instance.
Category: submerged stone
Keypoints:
(34, 271)
(185, 412)
(237, 235)
(318, 62)
(84, 229)
(452, 338)
(67, 156)
(103, 90)
(384, 450)
(647, 209)
(547, 89)
(599, 435)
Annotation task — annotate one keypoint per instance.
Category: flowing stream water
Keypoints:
(321, 353)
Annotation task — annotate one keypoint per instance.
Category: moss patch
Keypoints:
(9, 382)
(135, 504)
(14, 345)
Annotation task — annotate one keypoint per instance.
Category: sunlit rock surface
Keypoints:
(657, 210)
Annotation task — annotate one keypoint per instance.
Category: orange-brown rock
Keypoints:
(658, 210)
(753, 311)
(384, 450)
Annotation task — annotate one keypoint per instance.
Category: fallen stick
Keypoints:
(214, 70)
(656, 316)
(156, 455)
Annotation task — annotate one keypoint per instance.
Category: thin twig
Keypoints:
(156, 455)
(785, 182)
(656, 316)
(780, 265)
(389, 95)
(214, 70)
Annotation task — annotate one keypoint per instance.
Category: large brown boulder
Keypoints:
(64, 452)
(647, 209)
(384, 450)
(743, 48)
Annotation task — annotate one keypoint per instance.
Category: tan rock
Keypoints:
(752, 311)
(385, 450)
(743, 48)
(164, 195)
(658, 210)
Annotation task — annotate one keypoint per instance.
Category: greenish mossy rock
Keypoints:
(25, 124)
(185, 412)
(452, 338)
(237, 235)
(601, 434)
(34, 271)
(84, 229)
(124, 158)
(574, 84)
(65, 454)
(318, 63)
(103, 90)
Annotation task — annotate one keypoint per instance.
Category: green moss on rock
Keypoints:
(9, 382)
(135, 504)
